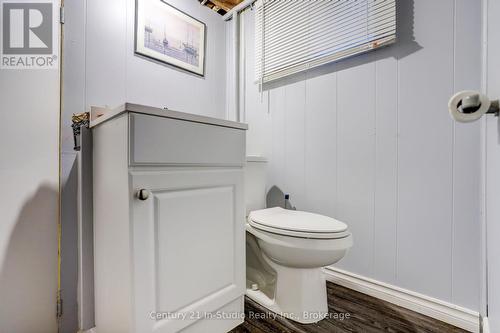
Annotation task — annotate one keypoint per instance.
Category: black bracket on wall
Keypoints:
(494, 108)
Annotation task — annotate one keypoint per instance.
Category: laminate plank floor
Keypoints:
(350, 311)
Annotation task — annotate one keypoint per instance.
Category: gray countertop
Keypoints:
(99, 115)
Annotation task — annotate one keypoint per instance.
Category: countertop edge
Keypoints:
(108, 114)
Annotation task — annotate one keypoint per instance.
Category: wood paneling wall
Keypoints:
(369, 141)
(115, 75)
(492, 159)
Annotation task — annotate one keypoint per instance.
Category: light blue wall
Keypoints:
(492, 159)
(29, 141)
(370, 142)
(101, 69)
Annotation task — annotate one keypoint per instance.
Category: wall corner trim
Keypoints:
(486, 326)
(434, 308)
(92, 330)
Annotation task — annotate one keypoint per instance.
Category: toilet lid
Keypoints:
(294, 220)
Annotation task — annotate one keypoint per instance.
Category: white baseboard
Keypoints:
(92, 330)
(486, 325)
(434, 308)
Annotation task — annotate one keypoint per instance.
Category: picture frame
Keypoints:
(169, 35)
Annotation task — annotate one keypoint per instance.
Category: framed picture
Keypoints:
(166, 34)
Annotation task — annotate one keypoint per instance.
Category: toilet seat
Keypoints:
(297, 224)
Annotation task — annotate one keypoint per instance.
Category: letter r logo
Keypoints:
(27, 28)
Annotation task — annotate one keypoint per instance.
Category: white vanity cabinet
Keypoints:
(168, 222)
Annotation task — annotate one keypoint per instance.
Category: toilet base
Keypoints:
(300, 293)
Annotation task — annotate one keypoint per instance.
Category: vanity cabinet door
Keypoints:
(187, 246)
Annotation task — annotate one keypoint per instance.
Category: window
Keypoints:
(294, 35)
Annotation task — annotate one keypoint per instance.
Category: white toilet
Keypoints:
(286, 250)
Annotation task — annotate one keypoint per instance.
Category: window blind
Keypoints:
(294, 35)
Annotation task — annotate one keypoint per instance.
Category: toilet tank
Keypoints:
(255, 183)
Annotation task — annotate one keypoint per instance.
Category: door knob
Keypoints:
(143, 194)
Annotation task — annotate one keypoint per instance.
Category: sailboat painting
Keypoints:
(166, 34)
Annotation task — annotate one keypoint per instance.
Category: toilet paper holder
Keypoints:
(467, 106)
(472, 103)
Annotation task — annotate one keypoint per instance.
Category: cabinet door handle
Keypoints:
(143, 194)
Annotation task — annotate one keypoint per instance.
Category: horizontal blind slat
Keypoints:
(332, 33)
(294, 35)
(291, 21)
(326, 23)
(359, 33)
(324, 60)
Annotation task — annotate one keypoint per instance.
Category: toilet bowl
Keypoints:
(286, 251)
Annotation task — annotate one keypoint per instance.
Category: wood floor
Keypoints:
(366, 315)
